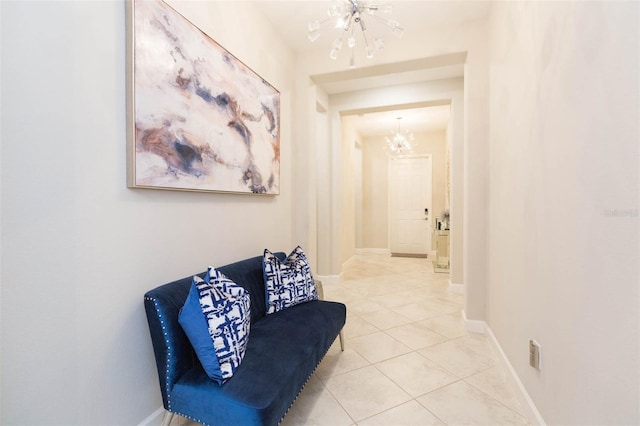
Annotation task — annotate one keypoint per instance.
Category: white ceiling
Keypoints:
(291, 18)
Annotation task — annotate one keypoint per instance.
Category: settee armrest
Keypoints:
(319, 289)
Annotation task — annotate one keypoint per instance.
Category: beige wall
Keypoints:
(358, 187)
(319, 159)
(375, 184)
(475, 178)
(347, 190)
(564, 195)
(436, 145)
(375, 204)
(78, 248)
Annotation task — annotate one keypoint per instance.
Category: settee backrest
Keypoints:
(248, 273)
(173, 352)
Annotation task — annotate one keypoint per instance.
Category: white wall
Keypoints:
(79, 249)
(564, 199)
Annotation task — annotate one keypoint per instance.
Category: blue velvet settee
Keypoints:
(282, 352)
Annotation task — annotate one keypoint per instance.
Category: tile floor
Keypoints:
(408, 359)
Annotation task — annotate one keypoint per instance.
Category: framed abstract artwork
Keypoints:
(198, 119)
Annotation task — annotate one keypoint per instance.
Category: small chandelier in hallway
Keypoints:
(349, 16)
(400, 142)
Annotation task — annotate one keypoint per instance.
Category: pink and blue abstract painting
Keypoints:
(200, 119)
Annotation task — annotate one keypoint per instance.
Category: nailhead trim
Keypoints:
(305, 383)
(166, 337)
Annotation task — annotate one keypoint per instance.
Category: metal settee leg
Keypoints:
(166, 419)
(341, 341)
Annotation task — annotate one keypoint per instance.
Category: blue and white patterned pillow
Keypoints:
(216, 318)
(287, 282)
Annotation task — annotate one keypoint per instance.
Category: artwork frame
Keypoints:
(198, 118)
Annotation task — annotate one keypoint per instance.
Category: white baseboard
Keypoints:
(530, 410)
(372, 251)
(532, 413)
(329, 279)
(456, 288)
(153, 419)
(474, 326)
(350, 260)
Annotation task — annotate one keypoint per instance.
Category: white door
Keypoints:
(409, 196)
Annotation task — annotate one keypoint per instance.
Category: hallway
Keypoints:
(408, 359)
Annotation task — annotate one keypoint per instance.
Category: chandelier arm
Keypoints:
(364, 36)
(350, 24)
(382, 20)
(339, 39)
(325, 20)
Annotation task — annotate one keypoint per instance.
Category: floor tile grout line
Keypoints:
(430, 329)
(426, 393)
(324, 385)
(417, 351)
(491, 396)
(458, 378)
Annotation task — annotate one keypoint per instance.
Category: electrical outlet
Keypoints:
(534, 354)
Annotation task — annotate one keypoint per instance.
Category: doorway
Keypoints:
(410, 205)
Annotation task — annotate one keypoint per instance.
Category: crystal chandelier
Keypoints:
(349, 16)
(399, 142)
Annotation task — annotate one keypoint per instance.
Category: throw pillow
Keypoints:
(287, 282)
(216, 318)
